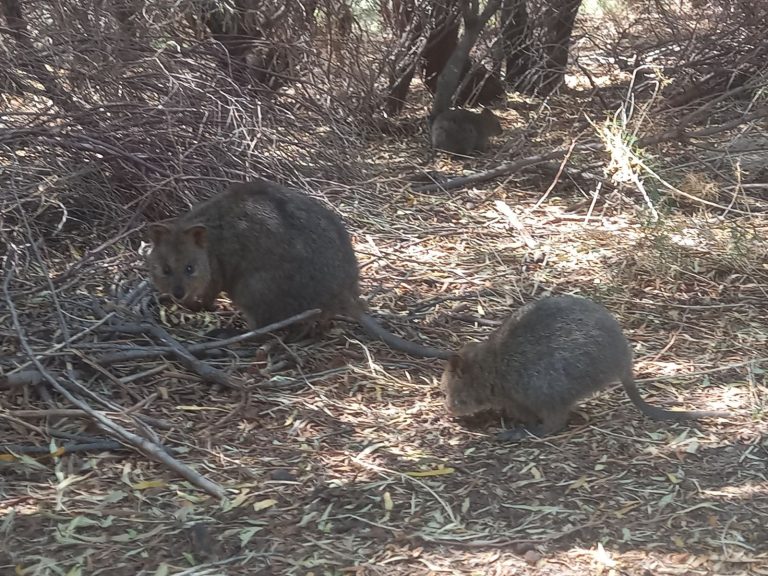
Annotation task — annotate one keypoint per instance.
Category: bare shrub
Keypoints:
(128, 109)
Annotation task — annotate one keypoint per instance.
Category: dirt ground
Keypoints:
(338, 456)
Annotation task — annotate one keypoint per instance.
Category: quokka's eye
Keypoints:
(167, 270)
(189, 270)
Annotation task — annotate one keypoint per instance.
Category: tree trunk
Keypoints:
(561, 16)
(449, 78)
(479, 86)
(516, 39)
(398, 92)
(404, 21)
(441, 43)
(249, 57)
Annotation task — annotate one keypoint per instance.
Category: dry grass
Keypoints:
(338, 456)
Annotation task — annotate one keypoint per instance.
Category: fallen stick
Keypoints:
(146, 352)
(506, 168)
(75, 413)
(125, 436)
(206, 372)
(13, 449)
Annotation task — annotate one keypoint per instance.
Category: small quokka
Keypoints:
(461, 132)
(541, 362)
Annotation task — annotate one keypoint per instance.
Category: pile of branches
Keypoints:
(701, 51)
(122, 109)
(117, 113)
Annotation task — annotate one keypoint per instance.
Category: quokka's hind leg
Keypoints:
(551, 421)
(309, 330)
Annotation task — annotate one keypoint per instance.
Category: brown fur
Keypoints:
(541, 362)
(275, 251)
(460, 131)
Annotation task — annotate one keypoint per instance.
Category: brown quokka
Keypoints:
(460, 131)
(540, 362)
(275, 251)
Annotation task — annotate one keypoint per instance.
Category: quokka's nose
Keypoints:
(178, 292)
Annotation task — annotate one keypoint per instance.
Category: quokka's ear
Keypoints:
(455, 362)
(158, 231)
(199, 234)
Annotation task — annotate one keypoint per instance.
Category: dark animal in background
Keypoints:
(460, 131)
(545, 358)
(275, 251)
